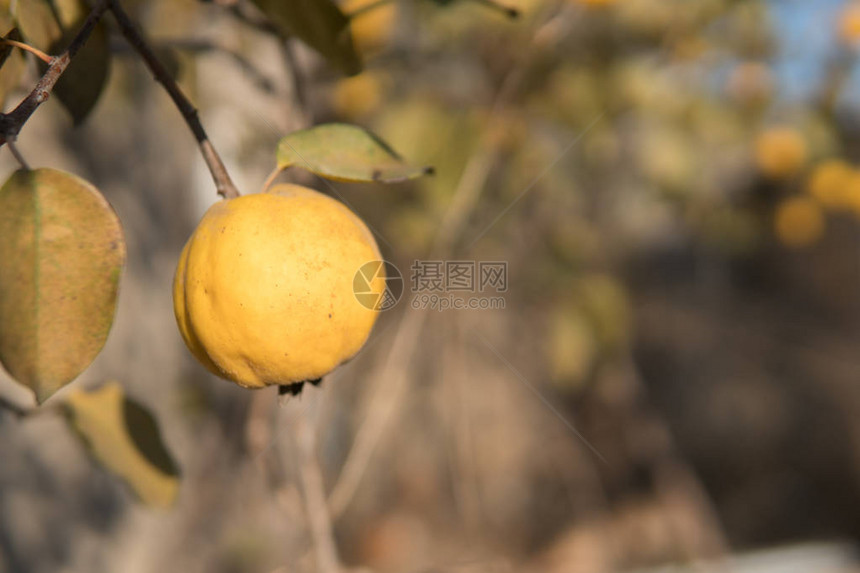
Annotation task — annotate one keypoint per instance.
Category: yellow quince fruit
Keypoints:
(263, 293)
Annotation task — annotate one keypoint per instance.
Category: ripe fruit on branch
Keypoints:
(263, 293)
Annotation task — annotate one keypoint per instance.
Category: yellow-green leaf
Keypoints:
(345, 153)
(50, 25)
(12, 63)
(61, 254)
(124, 437)
(318, 23)
(38, 23)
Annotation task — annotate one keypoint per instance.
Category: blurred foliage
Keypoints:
(319, 23)
(123, 436)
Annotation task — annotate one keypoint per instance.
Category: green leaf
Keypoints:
(12, 63)
(50, 26)
(124, 438)
(318, 23)
(61, 254)
(345, 153)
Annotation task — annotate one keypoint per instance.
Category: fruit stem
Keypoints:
(271, 178)
(223, 182)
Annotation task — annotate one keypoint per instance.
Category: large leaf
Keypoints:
(61, 254)
(50, 25)
(345, 153)
(318, 23)
(124, 437)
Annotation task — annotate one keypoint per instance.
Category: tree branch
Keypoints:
(15, 408)
(223, 183)
(246, 65)
(12, 122)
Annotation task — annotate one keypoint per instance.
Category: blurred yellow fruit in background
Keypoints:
(357, 96)
(780, 152)
(373, 29)
(830, 183)
(263, 293)
(798, 221)
(849, 24)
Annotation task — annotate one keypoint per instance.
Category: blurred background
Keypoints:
(673, 380)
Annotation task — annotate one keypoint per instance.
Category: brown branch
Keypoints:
(223, 183)
(246, 65)
(12, 122)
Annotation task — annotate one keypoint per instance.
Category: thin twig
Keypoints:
(297, 78)
(270, 180)
(15, 408)
(12, 122)
(28, 48)
(203, 46)
(314, 495)
(392, 374)
(252, 20)
(392, 378)
(223, 183)
(18, 157)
